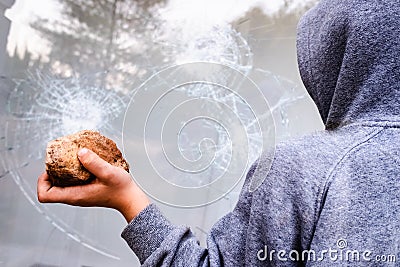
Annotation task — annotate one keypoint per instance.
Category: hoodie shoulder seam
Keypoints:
(323, 190)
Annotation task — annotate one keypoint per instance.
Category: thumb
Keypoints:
(94, 164)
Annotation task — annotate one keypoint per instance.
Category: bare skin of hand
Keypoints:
(112, 188)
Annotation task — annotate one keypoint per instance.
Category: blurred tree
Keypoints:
(111, 36)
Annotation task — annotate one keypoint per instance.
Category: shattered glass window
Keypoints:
(173, 82)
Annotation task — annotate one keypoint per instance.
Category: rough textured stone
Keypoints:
(62, 164)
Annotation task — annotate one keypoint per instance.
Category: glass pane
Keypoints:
(79, 64)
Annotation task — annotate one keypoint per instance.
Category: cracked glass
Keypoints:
(74, 64)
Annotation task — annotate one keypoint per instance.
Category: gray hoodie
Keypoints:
(331, 198)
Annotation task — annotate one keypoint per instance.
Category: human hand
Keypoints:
(112, 188)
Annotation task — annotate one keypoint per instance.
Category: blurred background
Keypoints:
(76, 64)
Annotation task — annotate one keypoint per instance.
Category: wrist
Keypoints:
(133, 201)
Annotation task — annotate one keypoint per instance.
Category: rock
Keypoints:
(63, 166)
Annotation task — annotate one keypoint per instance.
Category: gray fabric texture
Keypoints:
(334, 192)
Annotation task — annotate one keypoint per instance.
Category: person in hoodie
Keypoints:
(331, 198)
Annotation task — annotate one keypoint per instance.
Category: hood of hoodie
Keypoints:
(349, 60)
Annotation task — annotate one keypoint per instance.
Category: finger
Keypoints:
(74, 195)
(94, 164)
(43, 185)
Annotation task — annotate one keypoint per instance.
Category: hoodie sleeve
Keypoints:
(157, 242)
(279, 215)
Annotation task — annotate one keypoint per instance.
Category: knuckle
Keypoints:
(108, 172)
(87, 160)
(75, 201)
(41, 197)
